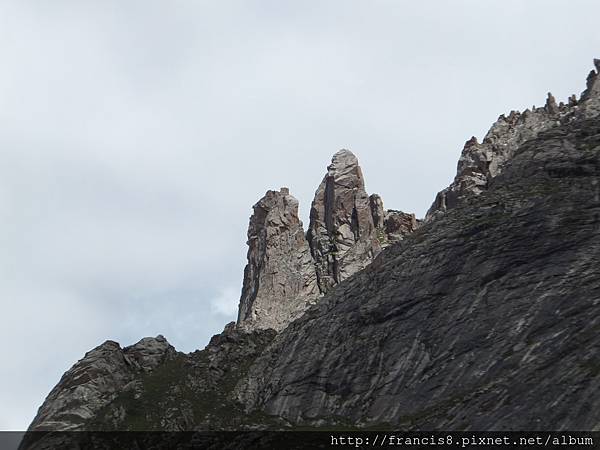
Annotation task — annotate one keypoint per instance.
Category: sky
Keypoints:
(135, 136)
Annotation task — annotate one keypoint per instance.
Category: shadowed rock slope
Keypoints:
(486, 317)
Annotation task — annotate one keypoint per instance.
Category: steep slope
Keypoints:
(97, 380)
(150, 386)
(487, 318)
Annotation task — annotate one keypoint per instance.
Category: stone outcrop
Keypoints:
(485, 318)
(96, 380)
(341, 233)
(287, 271)
(280, 281)
(397, 225)
(390, 226)
(481, 162)
(149, 387)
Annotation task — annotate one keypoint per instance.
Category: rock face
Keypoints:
(481, 162)
(342, 232)
(390, 226)
(286, 271)
(280, 281)
(485, 318)
(150, 386)
(397, 225)
(97, 380)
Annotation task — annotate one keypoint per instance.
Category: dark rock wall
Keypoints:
(486, 318)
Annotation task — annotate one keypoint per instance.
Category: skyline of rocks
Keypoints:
(479, 163)
(348, 228)
(288, 269)
(490, 306)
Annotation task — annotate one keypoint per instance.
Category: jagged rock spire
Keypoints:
(479, 163)
(287, 271)
(279, 280)
(341, 231)
(551, 105)
(590, 98)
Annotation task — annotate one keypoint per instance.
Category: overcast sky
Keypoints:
(135, 136)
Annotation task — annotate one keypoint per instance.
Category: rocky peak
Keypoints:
(377, 210)
(498, 294)
(287, 271)
(479, 163)
(590, 98)
(149, 352)
(96, 380)
(341, 232)
(390, 225)
(279, 279)
(397, 225)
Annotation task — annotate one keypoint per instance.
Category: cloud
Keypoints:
(226, 302)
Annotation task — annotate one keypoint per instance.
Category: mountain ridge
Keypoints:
(466, 322)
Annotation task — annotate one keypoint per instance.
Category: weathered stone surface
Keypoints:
(341, 233)
(486, 318)
(377, 210)
(191, 391)
(96, 380)
(390, 225)
(180, 392)
(280, 280)
(480, 163)
(397, 225)
(590, 99)
(286, 271)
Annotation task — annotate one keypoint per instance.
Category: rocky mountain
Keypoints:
(480, 163)
(486, 316)
(280, 279)
(97, 380)
(288, 271)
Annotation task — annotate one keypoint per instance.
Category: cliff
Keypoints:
(288, 271)
(484, 317)
(480, 163)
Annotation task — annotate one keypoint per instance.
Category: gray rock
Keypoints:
(397, 225)
(280, 280)
(341, 233)
(377, 210)
(149, 353)
(590, 98)
(390, 225)
(486, 318)
(286, 271)
(96, 380)
(480, 163)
